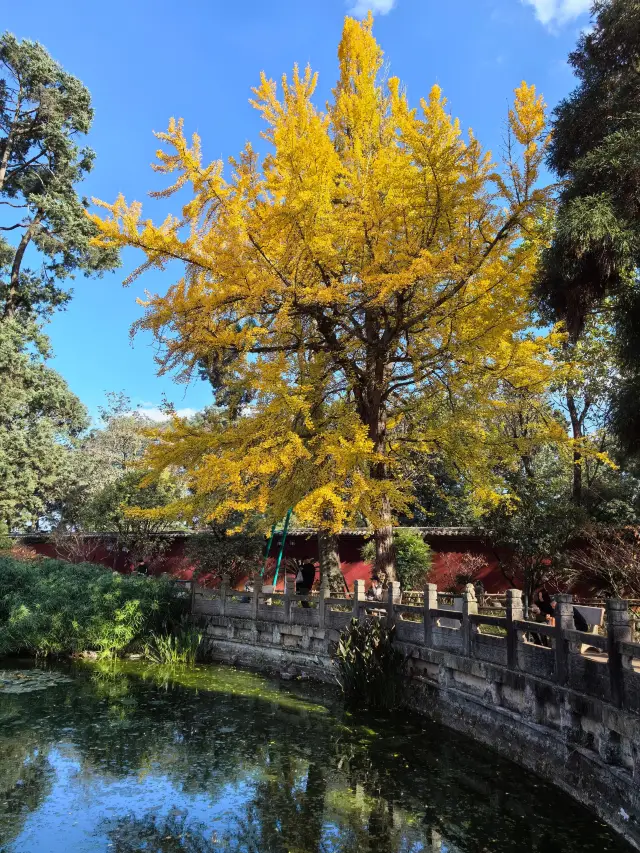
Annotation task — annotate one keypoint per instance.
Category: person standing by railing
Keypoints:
(547, 608)
(305, 579)
(375, 592)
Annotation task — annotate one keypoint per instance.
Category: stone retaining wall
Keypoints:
(573, 718)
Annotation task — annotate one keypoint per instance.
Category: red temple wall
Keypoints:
(175, 563)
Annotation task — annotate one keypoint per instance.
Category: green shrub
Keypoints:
(413, 558)
(369, 666)
(55, 607)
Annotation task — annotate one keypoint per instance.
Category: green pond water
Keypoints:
(130, 757)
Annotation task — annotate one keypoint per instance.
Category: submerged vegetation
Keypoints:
(51, 607)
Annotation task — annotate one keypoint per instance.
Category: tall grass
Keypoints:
(179, 647)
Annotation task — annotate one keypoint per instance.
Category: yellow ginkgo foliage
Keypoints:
(360, 290)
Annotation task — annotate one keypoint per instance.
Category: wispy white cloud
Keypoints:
(360, 8)
(158, 415)
(554, 12)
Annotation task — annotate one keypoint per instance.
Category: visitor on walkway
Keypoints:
(536, 615)
(305, 579)
(374, 593)
(546, 607)
(142, 568)
(544, 613)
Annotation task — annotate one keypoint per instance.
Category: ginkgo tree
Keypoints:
(365, 285)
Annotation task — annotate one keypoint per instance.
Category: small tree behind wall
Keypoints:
(136, 514)
(216, 553)
(460, 568)
(608, 564)
(413, 558)
(77, 546)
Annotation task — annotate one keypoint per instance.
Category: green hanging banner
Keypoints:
(281, 551)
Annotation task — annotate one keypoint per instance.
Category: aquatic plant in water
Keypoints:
(369, 666)
(181, 646)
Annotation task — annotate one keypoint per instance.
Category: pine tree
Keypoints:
(592, 264)
(44, 111)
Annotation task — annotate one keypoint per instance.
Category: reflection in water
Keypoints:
(129, 757)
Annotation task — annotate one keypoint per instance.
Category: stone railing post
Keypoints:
(469, 607)
(324, 594)
(255, 598)
(394, 596)
(618, 630)
(224, 589)
(430, 603)
(514, 614)
(289, 590)
(358, 597)
(564, 622)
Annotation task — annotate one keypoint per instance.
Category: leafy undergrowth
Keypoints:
(51, 607)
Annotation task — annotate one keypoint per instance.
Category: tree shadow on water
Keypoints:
(155, 834)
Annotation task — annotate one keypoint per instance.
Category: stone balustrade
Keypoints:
(524, 688)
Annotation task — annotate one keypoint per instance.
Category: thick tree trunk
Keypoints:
(577, 477)
(4, 161)
(385, 550)
(330, 561)
(371, 402)
(383, 532)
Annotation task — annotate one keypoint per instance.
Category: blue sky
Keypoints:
(147, 60)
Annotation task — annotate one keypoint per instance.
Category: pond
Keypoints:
(125, 757)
